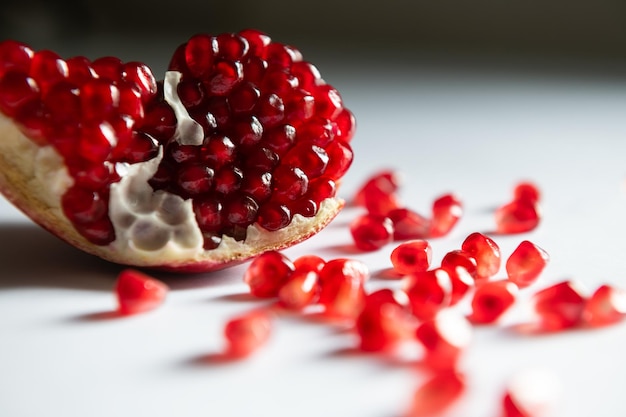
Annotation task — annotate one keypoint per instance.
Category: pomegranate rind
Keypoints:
(26, 183)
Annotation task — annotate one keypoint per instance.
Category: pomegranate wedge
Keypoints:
(237, 151)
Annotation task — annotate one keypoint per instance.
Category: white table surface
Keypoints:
(475, 134)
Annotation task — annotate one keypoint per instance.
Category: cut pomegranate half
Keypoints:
(237, 151)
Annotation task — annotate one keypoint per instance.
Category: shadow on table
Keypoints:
(32, 257)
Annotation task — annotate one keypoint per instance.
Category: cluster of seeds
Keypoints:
(88, 111)
(274, 138)
(275, 135)
(429, 309)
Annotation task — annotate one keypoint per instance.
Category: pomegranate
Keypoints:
(237, 151)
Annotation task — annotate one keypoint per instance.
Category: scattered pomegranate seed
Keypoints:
(408, 224)
(486, 253)
(309, 263)
(461, 281)
(491, 300)
(459, 258)
(429, 292)
(246, 333)
(559, 306)
(526, 263)
(371, 232)
(342, 290)
(607, 305)
(300, 290)
(444, 338)
(437, 394)
(383, 182)
(411, 257)
(526, 191)
(137, 292)
(383, 322)
(447, 210)
(522, 213)
(267, 273)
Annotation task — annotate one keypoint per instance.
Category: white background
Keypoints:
(475, 133)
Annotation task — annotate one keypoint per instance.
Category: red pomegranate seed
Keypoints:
(447, 210)
(526, 263)
(108, 68)
(257, 41)
(408, 224)
(15, 56)
(526, 191)
(607, 305)
(137, 292)
(83, 206)
(340, 159)
(47, 68)
(437, 394)
(230, 46)
(96, 141)
(310, 158)
(309, 263)
(491, 300)
(379, 203)
(444, 338)
(99, 98)
(531, 393)
(63, 102)
(559, 306)
(461, 281)
(383, 322)
(274, 216)
(99, 232)
(140, 77)
(199, 54)
(342, 290)
(371, 232)
(195, 179)
(460, 258)
(17, 90)
(518, 216)
(428, 292)
(209, 214)
(411, 257)
(267, 273)
(79, 70)
(486, 253)
(346, 125)
(383, 182)
(290, 183)
(246, 333)
(300, 290)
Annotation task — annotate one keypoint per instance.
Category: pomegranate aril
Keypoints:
(159, 121)
(281, 56)
(138, 147)
(15, 56)
(526, 191)
(228, 180)
(461, 281)
(289, 183)
(246, 333)
(428, 292)
(199, 55)
(346, 125)
(182, 154)
(280, 139)
(446, 212)
(459, 258)
(195, 179)
(526, 263)
(328, 102)
(257, 184)
(226, 75)
(99, 98)
(300, 290)
(267, 273)
(518, 216)
(209, 213)
(383, 182)
(342, 289)
(230, 46)
(379, 203)
(241, 210)
(99, 232)
(438, 393)
(137, 292)
(607, 305)
(96, 141)
(383, 322)
(371, 232)
(270, 110)
(444, 338)
(191, 93)
(93, 176)
(309, 263)
(559, 306)
(141, 78)
(492, 300)
(248, 131)
(218, 151)
(279, 81)
(486, 253)
(320, 189)
(317, 130)
(108, 68)
(411, 257)
(79, 70)
(257, 41)
(16, 90)
(274, 216)
(243, 98)
(310, 158)
(308, 75)
(47, 68)
(83, 206)
(340, 159)
(408, 224)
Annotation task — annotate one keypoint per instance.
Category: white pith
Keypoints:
(152, 229)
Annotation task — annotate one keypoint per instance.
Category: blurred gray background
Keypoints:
(570, 34)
